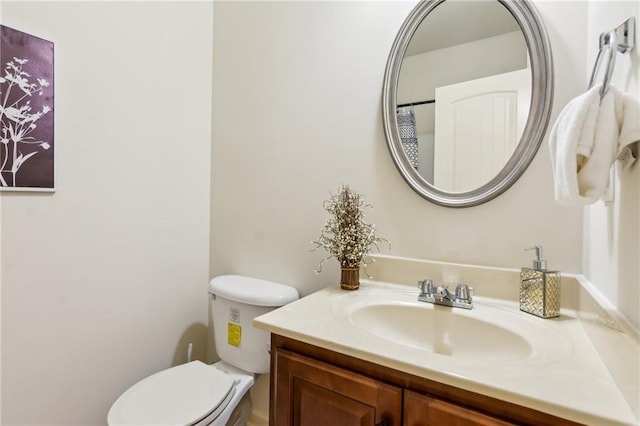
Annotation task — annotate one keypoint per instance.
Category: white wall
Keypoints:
(421, 74)
(297, 113)
(105, 281)
(612, 230)
(297, 89)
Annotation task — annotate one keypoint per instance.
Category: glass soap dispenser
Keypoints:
(539, 288)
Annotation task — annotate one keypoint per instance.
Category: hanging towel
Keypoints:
(586, 139)
(630, 129)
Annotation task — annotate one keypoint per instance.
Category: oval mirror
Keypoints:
(467, 97)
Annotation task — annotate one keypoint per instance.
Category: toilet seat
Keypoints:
(183, 395)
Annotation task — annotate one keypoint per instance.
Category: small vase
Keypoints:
(350, 278)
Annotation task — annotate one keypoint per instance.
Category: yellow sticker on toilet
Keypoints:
(234, 334)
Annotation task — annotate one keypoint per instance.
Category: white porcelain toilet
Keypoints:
(199, 394)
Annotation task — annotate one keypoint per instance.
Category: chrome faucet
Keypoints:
(440, 295)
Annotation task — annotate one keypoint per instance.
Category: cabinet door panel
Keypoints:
(308, 392)
(420, 410)
(312, 403)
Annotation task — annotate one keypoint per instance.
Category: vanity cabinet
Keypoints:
(313, 386)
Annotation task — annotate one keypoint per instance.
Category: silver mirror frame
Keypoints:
(541, 101)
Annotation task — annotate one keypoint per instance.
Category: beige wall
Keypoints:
(297, 112)
(105, 281)
(612, 230)
(297, 90)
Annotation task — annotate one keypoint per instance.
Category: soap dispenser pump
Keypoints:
(539, 288)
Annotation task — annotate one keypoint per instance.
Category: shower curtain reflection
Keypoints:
(408, 137)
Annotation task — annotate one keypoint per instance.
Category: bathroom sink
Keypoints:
(492, 332)
(441, 330)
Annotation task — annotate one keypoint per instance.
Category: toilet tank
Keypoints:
(236, 301)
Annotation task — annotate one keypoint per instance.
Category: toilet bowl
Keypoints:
(199, 394)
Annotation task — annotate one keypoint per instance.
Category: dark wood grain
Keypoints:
(313, 357)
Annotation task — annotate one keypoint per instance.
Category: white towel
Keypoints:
(586, 139)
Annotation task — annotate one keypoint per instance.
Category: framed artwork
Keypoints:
(26, 112)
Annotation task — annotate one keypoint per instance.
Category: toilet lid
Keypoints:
(181, 395)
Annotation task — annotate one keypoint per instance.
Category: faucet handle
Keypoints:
(464, 293)
(425, 286)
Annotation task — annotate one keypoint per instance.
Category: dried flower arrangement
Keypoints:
(346, 236)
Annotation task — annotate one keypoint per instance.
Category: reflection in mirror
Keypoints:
(467, 97)
(465, 73)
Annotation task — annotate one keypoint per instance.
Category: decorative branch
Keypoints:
(346, 236)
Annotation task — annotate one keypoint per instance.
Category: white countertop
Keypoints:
(563, 376)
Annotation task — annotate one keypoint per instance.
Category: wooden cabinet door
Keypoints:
(307, 392)
(420, 410)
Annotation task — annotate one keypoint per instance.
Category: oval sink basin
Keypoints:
(492, 332)
(440, 330)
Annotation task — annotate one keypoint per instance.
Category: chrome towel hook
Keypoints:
(621, 39)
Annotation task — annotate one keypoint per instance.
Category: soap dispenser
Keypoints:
(539, 288)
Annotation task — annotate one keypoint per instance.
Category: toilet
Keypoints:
(195, 393)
